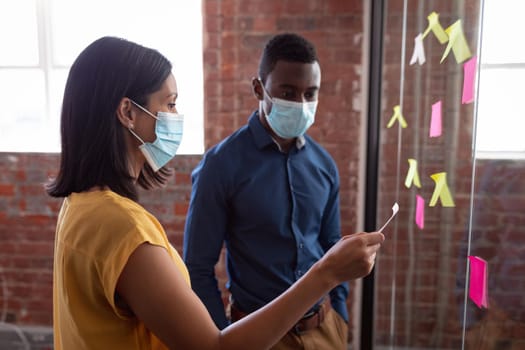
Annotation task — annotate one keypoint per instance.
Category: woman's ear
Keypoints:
(125, 114)
(257, 89)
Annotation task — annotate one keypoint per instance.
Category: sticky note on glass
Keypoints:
(456, 42)
(419, 51)
(420, 212)
(397, 116)
(435, 120)
(436, 28)
(477, 290)
(441, 191)
(412, 174)
(469, 78)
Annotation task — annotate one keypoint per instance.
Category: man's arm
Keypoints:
(329, 235)
(204, 235)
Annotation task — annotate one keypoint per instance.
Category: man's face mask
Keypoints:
(168, 132)
(289, 119)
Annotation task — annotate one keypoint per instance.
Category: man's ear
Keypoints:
(257, 89)
(125, 114)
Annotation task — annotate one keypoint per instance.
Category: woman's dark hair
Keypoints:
(288, 47)
(92, 138)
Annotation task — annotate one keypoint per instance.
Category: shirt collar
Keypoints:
(263, 138)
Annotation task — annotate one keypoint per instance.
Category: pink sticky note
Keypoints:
(478, 281)
(469, 75)
(435, 120)
(420, 212)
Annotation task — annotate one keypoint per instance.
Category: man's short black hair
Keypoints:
(288, 47)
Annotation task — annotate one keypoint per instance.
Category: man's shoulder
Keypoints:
(316, 147)
(226, 153)
(231, 143)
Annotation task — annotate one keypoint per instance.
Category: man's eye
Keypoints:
(172, 105)
(311, 94)
(287, 94)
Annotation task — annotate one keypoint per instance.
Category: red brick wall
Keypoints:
(27, 226)
(27, 220)
(234, 34)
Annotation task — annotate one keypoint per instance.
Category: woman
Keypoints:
(118, 283)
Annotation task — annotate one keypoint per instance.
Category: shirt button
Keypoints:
(301, 246)
(299, 273)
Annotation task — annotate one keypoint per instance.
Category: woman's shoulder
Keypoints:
(110, 209)
(101, 221)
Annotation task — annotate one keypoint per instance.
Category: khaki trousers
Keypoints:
(331, 335)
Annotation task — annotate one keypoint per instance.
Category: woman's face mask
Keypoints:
(289, 119)
(168, 132)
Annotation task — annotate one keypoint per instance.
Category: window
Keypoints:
(40, 39)
(501, 116)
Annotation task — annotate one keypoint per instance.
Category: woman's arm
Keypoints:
(157, 293)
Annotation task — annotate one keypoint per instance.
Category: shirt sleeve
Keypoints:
(204, 234)
(126, 235)
(329, 235)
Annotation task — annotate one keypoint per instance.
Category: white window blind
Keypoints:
(39, 40)
(501, 115)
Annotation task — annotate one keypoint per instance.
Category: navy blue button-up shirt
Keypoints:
(277, 213)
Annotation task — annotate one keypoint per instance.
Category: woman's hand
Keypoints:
(351, 258)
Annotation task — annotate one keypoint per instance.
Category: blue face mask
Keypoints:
(168, 132)
(290, 119)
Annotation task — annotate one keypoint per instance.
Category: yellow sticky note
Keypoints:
(457, 43)
(397, 116)
(412, 175)
(441, 191)
(436, 28)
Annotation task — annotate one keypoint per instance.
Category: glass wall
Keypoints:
(451, 274)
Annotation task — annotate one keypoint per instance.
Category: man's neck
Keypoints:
(284, 144)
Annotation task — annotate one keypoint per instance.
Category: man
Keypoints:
(271, 194)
